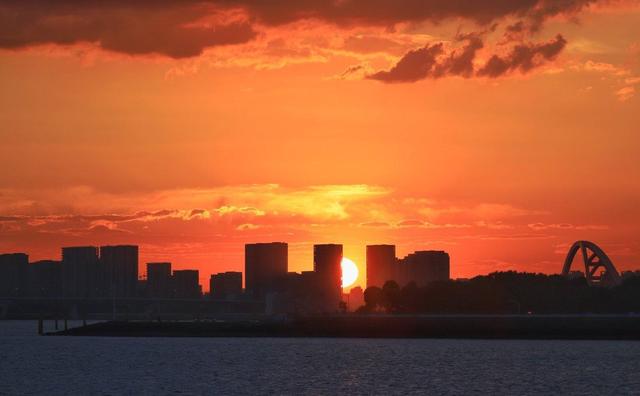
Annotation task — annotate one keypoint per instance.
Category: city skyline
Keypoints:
(88, 276)
(265, 265)
(122, 257)
(304, 262)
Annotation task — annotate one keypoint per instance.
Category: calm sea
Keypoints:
(30, 364)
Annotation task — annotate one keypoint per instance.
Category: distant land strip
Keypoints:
(565, 327)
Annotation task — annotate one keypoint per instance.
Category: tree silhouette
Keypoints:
(372, 298)
(391, 296)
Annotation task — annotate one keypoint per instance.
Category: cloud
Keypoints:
(621, 75)
(415, 65)
(384, 12)
(228, 203)
(565, 226)
(603, 67)
(379, 224)
(523, 57)
(176, 29)
(410, 223)
(460, 62)
(625, 93)
(433, 61)
(355, 72)
(363, 43)
(428, 225)
(181, 29)
(229, 209)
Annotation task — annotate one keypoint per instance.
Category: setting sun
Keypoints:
(349, 272)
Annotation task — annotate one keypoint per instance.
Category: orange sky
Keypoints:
(500, 131)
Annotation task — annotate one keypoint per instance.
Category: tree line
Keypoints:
(504, 293)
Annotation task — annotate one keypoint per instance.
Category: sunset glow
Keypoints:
(501, 133)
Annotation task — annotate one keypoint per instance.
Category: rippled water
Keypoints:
(30, 364)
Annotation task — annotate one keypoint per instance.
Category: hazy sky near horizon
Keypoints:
(500, 131)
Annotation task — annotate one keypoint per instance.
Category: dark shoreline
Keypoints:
(571, 327)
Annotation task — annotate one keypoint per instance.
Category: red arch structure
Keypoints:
(598, 268)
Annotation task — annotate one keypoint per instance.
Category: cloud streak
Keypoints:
(433, 61)
(523, 57)
(182, 29)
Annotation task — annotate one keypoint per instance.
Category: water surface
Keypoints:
(31, 364)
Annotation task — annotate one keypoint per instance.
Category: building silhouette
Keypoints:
(424, 267)
(13, 274)
(297, 293)
(327, 261)
(186, 284)
(381, 264)
(159, 280)
(421, 267)
(82, 273)
(225, 285)
(121, 266)
(264, 265)
(45, 279)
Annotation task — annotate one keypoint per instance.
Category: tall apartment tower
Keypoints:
(159, 280)
(327, 261)
(13, 274)
(264, 265)
(121, 266)
(381, 265)
(82, 273)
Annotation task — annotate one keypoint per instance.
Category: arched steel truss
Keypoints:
(598, 268)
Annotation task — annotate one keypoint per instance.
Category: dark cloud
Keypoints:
(523, 57)
(184, 28)
(415, 65)
(515, 32)
(460, 63)
(135, 28)
(385, 12)
(432, 61)
(352, 70)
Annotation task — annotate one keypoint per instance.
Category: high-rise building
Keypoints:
(327, 261)
(159, 280)
(424, 267)
(381, 265)
(264, 265)
(45, 279)
(121, 266)
(186, 284)
(82, 272)
(13, 274)
(225, 285)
